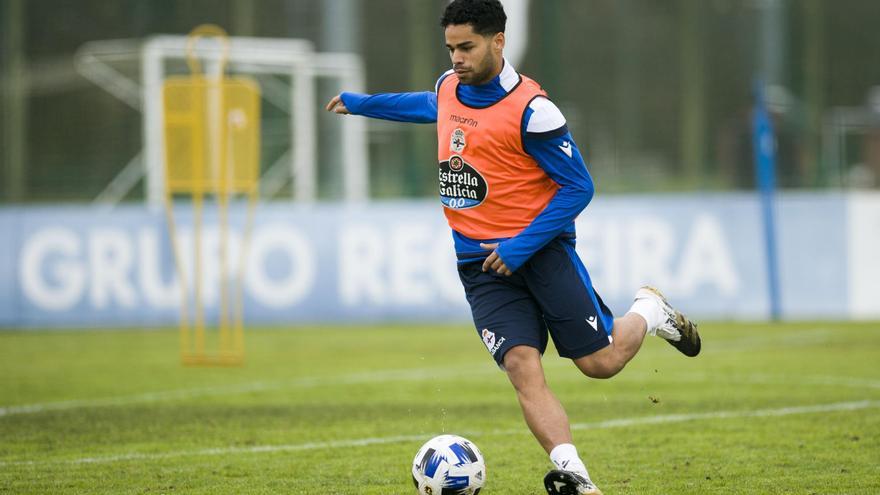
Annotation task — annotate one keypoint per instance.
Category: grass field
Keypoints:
(791, 408)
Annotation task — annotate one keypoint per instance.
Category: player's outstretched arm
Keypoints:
(336, 105)
(418, 108)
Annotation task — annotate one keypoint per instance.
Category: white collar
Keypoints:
(508, 77)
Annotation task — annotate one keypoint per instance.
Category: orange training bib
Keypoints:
(489, 186)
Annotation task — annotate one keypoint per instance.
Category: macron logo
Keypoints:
(566, 148)
(593, 323)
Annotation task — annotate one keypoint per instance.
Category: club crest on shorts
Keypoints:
(488, 338)
(491, 343)
(457, 142)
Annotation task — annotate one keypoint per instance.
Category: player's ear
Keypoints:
(498, 42)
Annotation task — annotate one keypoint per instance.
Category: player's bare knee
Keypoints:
(523, 367)
(520, 357)
(599, 366)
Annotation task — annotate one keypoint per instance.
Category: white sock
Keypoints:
(648, 309)
(565, 457)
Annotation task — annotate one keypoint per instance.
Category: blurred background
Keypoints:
(657, 93)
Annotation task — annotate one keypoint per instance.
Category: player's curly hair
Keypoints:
(487, 17)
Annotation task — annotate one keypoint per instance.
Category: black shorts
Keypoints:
(551, 291)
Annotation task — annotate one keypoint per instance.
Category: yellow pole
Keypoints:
(197, 275)
(223, 205)
(185, 344)
(197, 186)
(245, 247)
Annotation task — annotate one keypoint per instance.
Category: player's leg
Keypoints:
(542, 410)
(580, 322)
(650, 314)
(628, 333)
(512, 328)
(580, 325)
(509, 322)
(548, 422)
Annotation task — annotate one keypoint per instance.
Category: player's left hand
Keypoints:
(336, 105)
(494, 260)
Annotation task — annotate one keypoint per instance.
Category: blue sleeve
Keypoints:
(418, 108)
(551, 151)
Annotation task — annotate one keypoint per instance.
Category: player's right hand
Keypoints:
(336, 106)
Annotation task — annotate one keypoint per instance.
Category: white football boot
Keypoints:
(677, 329)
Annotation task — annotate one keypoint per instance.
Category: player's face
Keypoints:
(476, 59)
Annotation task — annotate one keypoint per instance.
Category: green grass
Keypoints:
(114, 412)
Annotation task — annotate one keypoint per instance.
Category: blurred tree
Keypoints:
(243, 18)
(692, 21)
(814, 85)
(628, 78)
(423, 42)
(15, 99)
(657, 93)
(550, 63)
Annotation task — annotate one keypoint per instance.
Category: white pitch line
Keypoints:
(818, 380)
(362, 442)
(841, 381)
(363, 377)
(244, 388)
(412, 374)
(813, 335)
(256, 449)
(759, 413)
(805, 338)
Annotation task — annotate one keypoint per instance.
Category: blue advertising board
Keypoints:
(78, 266)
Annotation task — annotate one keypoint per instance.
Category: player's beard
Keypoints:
(485, 75)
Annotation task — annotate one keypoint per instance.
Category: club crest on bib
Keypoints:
(461, 185)
(457, 142)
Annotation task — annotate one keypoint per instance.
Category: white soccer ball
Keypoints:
(449, 465)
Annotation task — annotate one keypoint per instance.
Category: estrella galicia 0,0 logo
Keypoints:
(461, 185)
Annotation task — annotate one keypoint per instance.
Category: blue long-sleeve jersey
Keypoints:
(545, 137)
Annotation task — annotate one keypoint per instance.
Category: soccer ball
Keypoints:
(449, 465)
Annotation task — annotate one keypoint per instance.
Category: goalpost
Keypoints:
(288, 70)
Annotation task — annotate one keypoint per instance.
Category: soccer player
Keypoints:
(512, 182)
